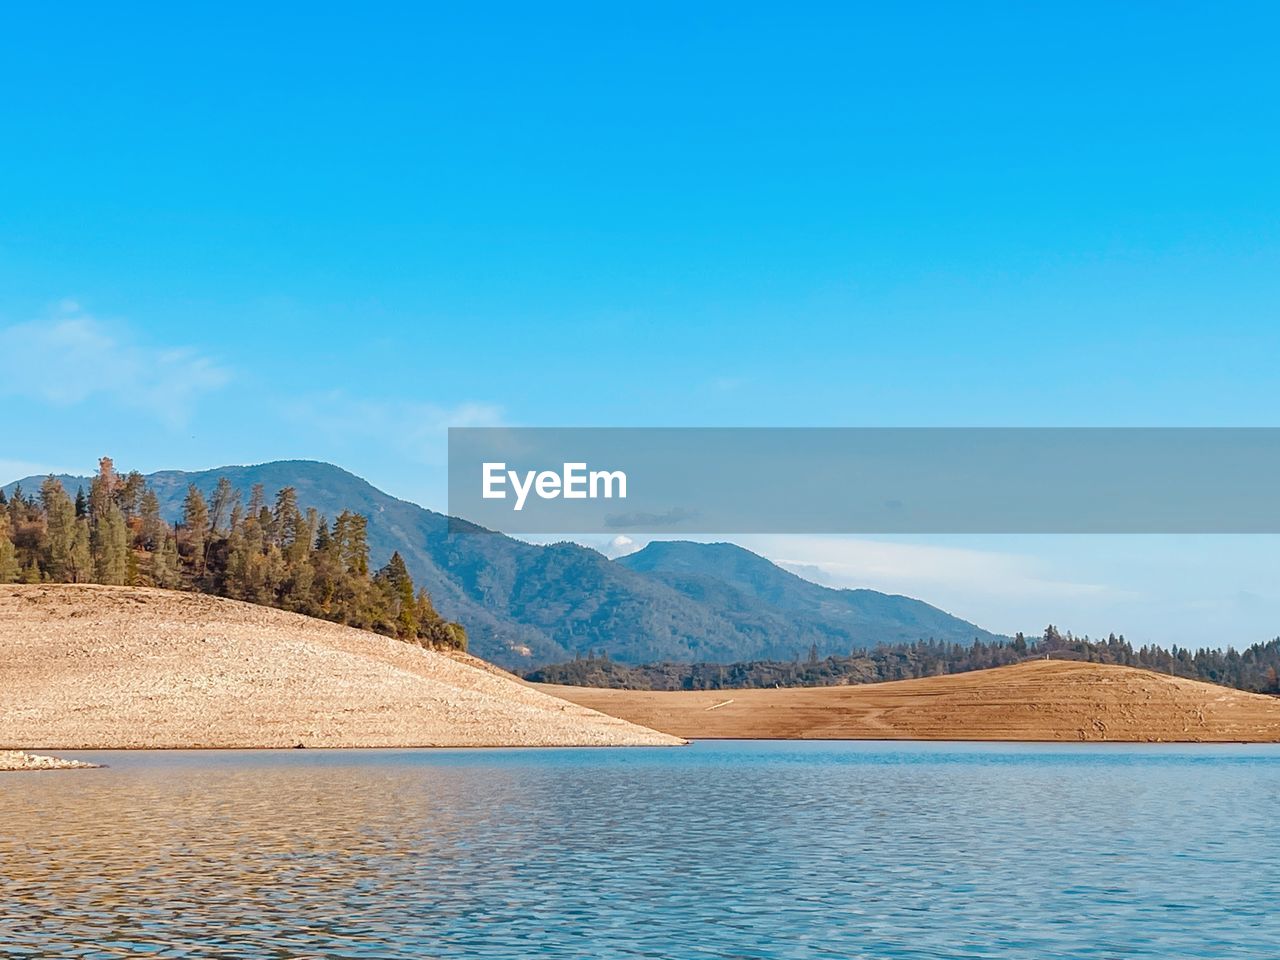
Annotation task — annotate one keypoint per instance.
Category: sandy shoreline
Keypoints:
(1038, 701)
(91, 667)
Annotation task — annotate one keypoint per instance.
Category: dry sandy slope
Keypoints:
(1039, 700)
(85, 667)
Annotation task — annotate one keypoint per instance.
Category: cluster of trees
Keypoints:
(1256, 668)
(274, 554)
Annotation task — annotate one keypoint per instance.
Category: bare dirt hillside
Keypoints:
(84, 667)
(1039, 700)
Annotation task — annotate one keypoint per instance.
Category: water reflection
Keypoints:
(735, 850)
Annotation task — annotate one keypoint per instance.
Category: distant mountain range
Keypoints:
(525, 605)
(838, 621)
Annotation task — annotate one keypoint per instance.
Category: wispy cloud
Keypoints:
(73, 357)
(906, 567)
(417, 431)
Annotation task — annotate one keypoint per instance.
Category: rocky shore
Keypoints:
(17, 760)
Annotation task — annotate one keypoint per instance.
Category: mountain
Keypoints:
(525, 605)
(837, 620)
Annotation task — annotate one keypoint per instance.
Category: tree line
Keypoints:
(274, 554)
(1256, 668)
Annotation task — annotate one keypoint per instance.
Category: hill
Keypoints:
(1041, 700)
(836, 620)
(92, 667)
(525, 605)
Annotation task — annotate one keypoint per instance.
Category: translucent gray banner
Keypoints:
(865, 480)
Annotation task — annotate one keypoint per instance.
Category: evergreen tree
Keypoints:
(102, 489)
(128, 495)
(257, 499)
(166, 564)
(354, 544)
(9, 568)
(80, 564)
(278, 556)
(60, 530)
(30, 573)
(287, 522)
(222, 505)
(15, 510)
(399, 599)
(153, 529)
(110, 545)
(195, 527)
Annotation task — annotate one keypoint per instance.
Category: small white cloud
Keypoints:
(621, 546)
(74, 357)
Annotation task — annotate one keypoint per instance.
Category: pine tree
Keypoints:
(279, 556)
(9, 568)
(111, 547)
(165, 564)
(397, 589)
(129, 494)
(238, 562)
(287, 521)
(102, 489)
(195, 526)
(310, 527)
(60, 524)
(153, 529)
(15, 509)
(80, 564)
(222, 505)
(457, 635)
(355, 544)
(257, 499)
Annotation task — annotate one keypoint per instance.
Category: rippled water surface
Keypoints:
(827, 850)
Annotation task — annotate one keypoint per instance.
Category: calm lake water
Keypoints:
(762, 850)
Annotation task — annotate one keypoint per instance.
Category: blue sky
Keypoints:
(232, 235)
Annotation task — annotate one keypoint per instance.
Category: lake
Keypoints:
(743, 850)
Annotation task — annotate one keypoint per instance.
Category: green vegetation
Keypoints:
(273, 554)
(1255, 669)
(525, 605)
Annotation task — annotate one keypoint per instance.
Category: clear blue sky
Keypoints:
(231, 234)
